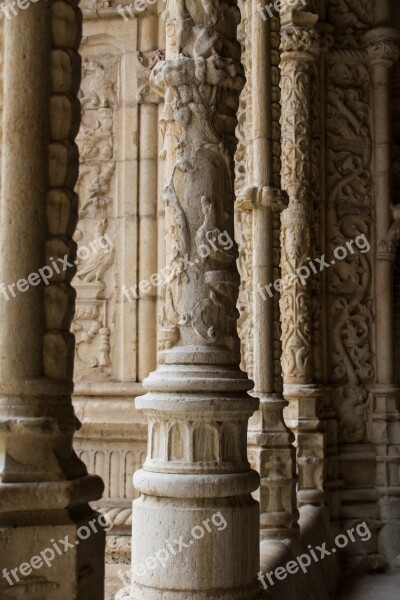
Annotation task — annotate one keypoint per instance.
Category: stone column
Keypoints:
(299, 48)
(269, 437)
(197, 475)
(44, 488)
(148, 191)
(383, 51)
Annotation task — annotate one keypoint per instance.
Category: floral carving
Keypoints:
(349, 210)
(201, 89)
(96, 186)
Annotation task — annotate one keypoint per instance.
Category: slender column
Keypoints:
(44, 488)
(197, 470)
(160, 172)
(148, 162)
(269, 434)
(383, 51)
(299, 47)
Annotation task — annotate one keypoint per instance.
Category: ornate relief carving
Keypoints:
(349, 212)
(144, 64)
(351, 19)
(243, 220)
(198, 93)
(97, 188)
(243, 236)
(118, 549)
(299, 47)
(295, 236)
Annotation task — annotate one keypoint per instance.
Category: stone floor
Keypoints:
(372, 587)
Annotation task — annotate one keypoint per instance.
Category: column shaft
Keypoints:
(383, 51)
(148, 190)
(269, 438)
(299, 47)
(22, 210)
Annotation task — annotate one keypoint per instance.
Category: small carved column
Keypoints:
(299, 48)
(44, 488)
(269, 438)
(383, 51)
(197, 473)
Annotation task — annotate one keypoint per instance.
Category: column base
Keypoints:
(195, 548)
(144, 593)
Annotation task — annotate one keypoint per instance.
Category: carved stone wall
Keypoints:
(117, 238)
(341, 170)
(323, 90)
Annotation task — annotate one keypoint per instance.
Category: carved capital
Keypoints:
(383, 46)
(295, 40)
(383, 52)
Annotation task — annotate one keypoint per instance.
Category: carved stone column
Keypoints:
(44, 487)
(197, 406)
(383, 51)
(269, 438)
(299, 47)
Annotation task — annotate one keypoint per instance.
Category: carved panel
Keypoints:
(95, 277)
(349, 211)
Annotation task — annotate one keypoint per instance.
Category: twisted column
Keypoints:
(197, 406)
(299, 50)
(44, 488)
